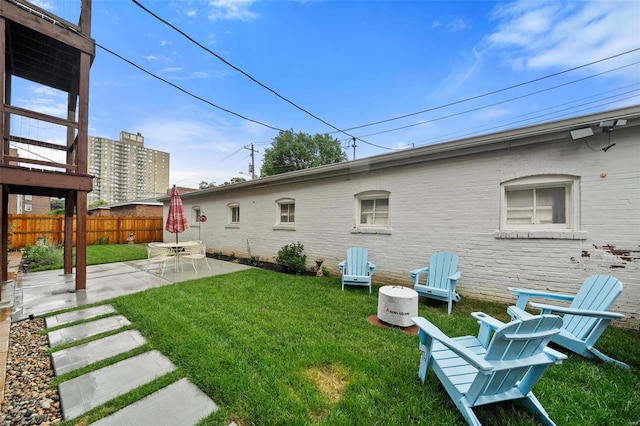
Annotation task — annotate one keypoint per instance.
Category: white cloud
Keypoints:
(231, 9)
(436, 24)
(456, 25)
(548, 35)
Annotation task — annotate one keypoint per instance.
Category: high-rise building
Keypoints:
(125, 170)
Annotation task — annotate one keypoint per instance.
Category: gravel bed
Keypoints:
(27, 397)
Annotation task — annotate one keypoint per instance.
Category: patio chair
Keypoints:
(356, 269)
(585, 319)
(442, 278)
(482, 370)
(158, 255)
(195, 253)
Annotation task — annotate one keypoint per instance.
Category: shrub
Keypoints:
(292, 259)
(102, 241)
(41, 254)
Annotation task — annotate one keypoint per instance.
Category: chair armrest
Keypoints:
(488, 325)
(341, 266)
(415, 274)
(372, 268)
(517, 313)
(456, 276)
(434, 332)
(523, 296)
(572, 311)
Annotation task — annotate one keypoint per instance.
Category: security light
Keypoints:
(581, 133)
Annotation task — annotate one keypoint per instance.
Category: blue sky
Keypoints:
(349, 63)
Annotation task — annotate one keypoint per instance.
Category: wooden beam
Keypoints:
(53, 26)
(18, 176)
(40, 116)
(69, 167)
(34, 142)
(81, 240)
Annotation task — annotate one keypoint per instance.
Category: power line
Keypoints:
(500, 102)
(494, 91)
(186, 91)
(239, 69)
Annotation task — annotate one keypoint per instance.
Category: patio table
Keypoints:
(177, 249)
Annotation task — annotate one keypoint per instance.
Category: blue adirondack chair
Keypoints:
(442, 278)
(482, 370)
(356, 269)
(585, 319)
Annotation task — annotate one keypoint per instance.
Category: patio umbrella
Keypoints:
(176, 219)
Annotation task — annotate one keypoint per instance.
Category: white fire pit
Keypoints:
(397, 304)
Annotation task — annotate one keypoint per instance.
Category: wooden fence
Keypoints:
(26, 229)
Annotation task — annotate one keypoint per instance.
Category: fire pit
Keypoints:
(397, 304)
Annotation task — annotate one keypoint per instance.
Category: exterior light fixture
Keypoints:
(581, 133)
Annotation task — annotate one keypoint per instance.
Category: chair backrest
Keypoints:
(357, 261)
(598, 292)
(442, 265)
(517, 341)
(199, 248)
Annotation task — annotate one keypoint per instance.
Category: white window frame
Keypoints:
(372, 228)
(28, 207)
(195, 217)
(233, 222)
(568, 230)
(287, 225)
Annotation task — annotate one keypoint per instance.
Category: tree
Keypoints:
(205, 185)
(296, 151)
(235, 180)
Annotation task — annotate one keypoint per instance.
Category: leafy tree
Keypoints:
(296, 151)
(205, 185)
(98, 203)
(235, 180)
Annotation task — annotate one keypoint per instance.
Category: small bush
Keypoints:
(41, 255)
(292, 259)
(102, 241)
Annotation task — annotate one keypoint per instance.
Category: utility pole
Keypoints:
(252, 166)
(353, 144)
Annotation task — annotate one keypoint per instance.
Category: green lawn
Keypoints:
(98, 255)
(276, 349)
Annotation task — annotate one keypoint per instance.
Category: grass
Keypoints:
(277, 349)
(104, 253)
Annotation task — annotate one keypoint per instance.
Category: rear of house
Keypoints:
(531, 207)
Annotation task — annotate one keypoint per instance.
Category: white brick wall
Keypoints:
(454, 205)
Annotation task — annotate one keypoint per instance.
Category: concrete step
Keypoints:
(180, 403)
(82, 331)
(83, 393)
(81, 314)
(82, 355)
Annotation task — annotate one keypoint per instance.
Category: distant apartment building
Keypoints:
(27, 203)
(125, 170)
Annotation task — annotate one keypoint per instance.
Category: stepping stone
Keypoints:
(180, 403)
(88, 329)
(86, 392)
(81, 314)
(82, 355)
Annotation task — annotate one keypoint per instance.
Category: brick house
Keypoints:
(542, 207)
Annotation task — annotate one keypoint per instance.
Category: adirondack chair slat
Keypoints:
(357, 269)
(511, 364)
(441, 278)
(586, 317)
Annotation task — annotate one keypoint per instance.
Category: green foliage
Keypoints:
(103, 240)
(296, 151)
(292, 259)
(41, 255)
(98, 203)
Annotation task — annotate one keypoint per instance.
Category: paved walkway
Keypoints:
(42, 293)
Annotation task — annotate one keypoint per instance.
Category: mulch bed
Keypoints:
(374, 320)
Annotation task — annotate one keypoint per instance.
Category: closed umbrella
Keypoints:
(176, 219)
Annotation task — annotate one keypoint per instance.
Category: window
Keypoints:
(28, 208)
(195, 215)
(372, 211)
(28, 197)
(541, 204)
(286, 214)
(233, 214)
